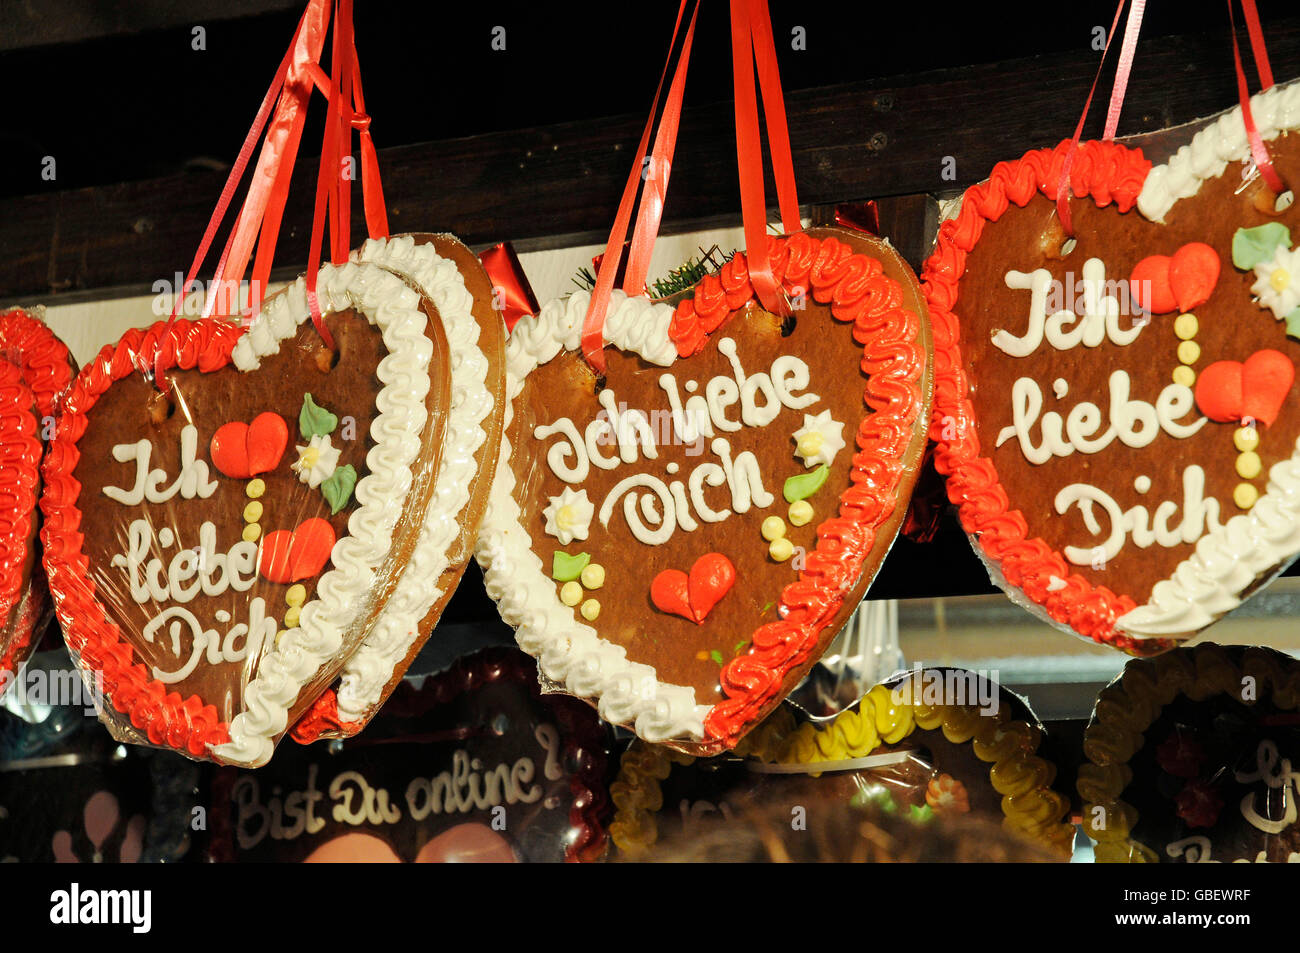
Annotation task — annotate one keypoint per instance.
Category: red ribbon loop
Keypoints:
(593, 325)
(1131, 28)
(1258, 151)
(751, 45)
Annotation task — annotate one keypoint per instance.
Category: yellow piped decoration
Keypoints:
(1184, 375)
(1245, 496)
(251, 532)
(256, 487)
(253, 512)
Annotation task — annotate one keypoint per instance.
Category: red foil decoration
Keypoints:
(510, 287)
(859, 216)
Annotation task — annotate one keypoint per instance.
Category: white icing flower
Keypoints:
(819, 439)
(316, 461)
(1277, 282)
(569, 516)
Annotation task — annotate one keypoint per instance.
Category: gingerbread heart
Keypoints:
(446, 272)
(1115, 473)
(215, 606)
(787, 447)
(35, 369)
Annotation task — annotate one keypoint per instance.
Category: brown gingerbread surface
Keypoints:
(682, 651)
(125, 414)
(1231, 327)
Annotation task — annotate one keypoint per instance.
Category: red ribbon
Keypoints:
(593, 325)
(333, 182)
(1258, 150)
(1131, 28)
(509, 283)
(298, 50)
(752, 45)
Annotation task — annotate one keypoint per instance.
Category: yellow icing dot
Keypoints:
(702, 655)
(571, 593)
(1249, 465)
(1245, 495)
(773, 528)
(781, 549)
(564, 517)
(810, 443)
(593, 576)
(1189, 352)
(296, 595)
(309, 458)
(256, 487)
(801, 512)
(1246, 439)
(1280, 279)
(590, 609)
(1184, 375)
(253, 512)
(291, 617)
(251, 532)
(1186, 326)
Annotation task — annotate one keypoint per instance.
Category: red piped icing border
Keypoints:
(586, 744)
(323, 716)
(894, 358)
(39, 371)
(187, 724)
(20, 459)
(1106, 172)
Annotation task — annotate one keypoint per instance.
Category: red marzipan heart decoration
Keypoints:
(290, 555)
(243, 450)
(1177, 282)
(693, 597)
(1253, 390)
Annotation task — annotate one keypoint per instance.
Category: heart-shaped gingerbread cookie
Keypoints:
(35, 370)
(787, 449)
(217, 550)
(445, 271)
(1115, 413)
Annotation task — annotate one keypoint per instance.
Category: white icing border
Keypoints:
(301, 652)
(569, 652)
(1253, 546)
(371, 666)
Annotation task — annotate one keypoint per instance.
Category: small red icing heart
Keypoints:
(1193, 273)
(1150, 284)
(243, 450)
(669, 592)
(290, 555)
(693, 597)
(711, 578)
(1232, 390)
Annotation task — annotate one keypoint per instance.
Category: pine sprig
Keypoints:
(678, 279)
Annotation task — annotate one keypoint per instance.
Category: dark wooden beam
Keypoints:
(557, 185)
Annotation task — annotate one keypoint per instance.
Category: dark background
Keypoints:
(115, 91)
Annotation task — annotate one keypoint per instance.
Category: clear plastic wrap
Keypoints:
(1189, 759)
(657, 537)
(35, 370)
(472, 764)
(1115, 408)
(935, 741)
(227, 513)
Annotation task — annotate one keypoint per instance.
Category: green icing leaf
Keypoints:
(740, 646)
(337, 488)
(1250, 246)
(566, 568)
(920, 813)
(315, 421)
(805, 484)
(716, 656)
(875, 795)
(1293, 324)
